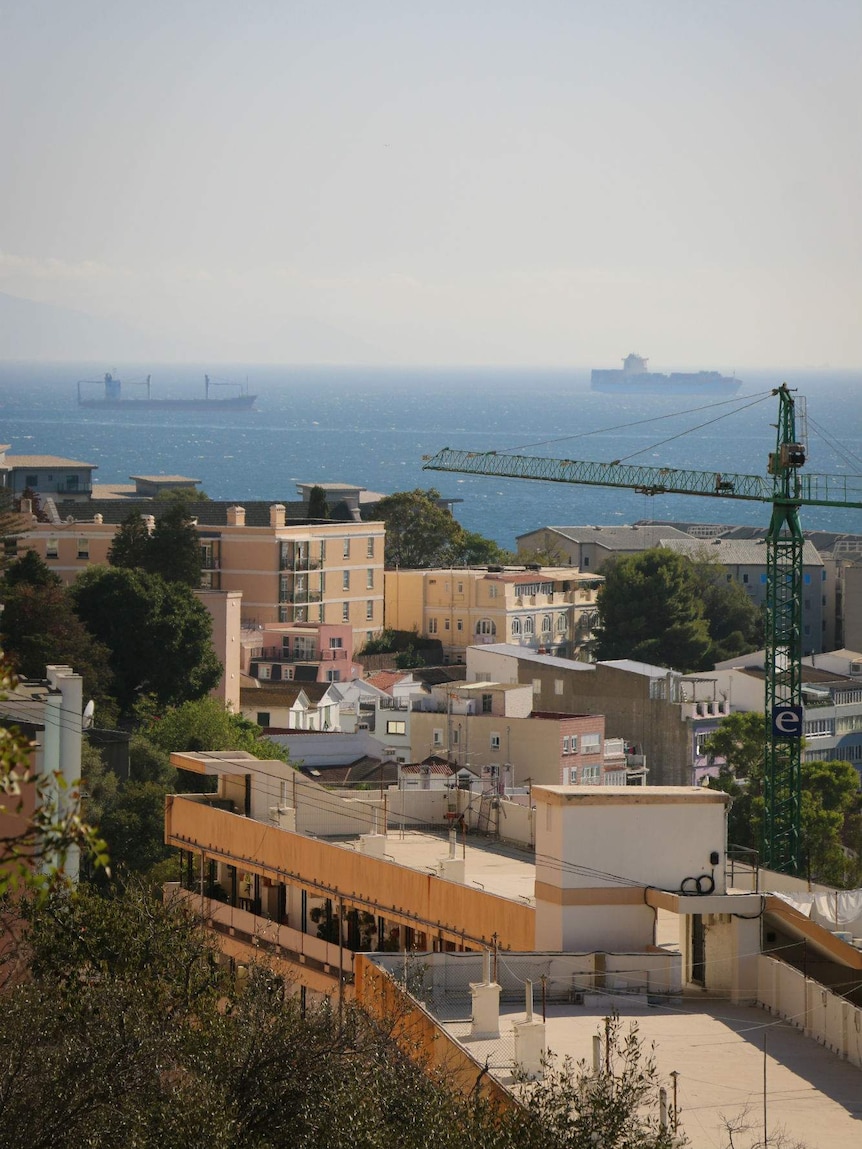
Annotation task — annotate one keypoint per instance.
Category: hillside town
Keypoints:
(441, 794)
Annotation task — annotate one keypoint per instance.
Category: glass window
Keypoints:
(83, 548)
(486, 626)
(52, 549)
(263, 718)
(495, 742)
(369, 547)
(345, 551)
(369, 578)
(336, 643)
(516, 626)
(459, 625)
(396, 727)
(487, 703)
(432, 625)
(345, 612)
(546, 624)
(438, 737)
(591, 744)
(561, 624)
(558, 686)
(566, 744)
(369, 610)
(345, 580)
(32, 481)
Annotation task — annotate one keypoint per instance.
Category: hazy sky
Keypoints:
(552, 181)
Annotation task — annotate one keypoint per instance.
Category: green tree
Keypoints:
(205, 724)
(40, 627)
(29, 570)
(175, 550)
(476, 551)
(735, 624)
(650, 611)
(318, 508)
(419, 532)
(159, 634)
(131, 543)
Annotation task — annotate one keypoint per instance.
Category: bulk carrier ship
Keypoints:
(112, 397)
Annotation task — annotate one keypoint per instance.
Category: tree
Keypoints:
(29, 570)
(131, 543)
(735, 624)
(174, 549)
(650, 611)
(419, 532)
(476, 551)
(158, 634)
(205, 724)
(40, 627)
(318, 508)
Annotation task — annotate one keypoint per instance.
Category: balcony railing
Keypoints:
(278, 654)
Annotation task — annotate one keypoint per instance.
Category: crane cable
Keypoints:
(689, 430)
(635, 423)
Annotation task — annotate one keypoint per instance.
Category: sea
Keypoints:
(373, 426)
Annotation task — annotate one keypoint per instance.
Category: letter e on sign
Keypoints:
(787, 721)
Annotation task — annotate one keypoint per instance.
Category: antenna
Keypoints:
(87, 717)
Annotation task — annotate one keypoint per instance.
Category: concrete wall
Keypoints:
(823, 1015)
(599, 846)
(225, 609)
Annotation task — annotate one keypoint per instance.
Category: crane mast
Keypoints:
(787, 492)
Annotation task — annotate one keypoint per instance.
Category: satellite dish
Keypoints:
(89, 711)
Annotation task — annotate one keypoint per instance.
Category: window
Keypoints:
(322, 549)
(437, 737)
(700, 743)
(537, 686)
(446, 625)
(561, 624)
(456, 736)
(745, 577)
(345, 612)
(264, 672)
(558, 686)
(460, 588)
(492, 591)
(495, 742)
(345, 580)
(590, 775)
(369, 610)
(83, 548)
(763, 578)
(516, 626)
(566, 749)
(546, 624)
(573, 743)
(432, 625)
(336, 643)
(263, 718)
(486, 626)
(300, 614)
(72, 482)
(369, 578)
(52, 549)
(394, 726)
(345, 550)
(487, 703)
(591, 743)
(459, 625)
(806, 579)
(32, 481)
(573, 775)
(528, 626)
(369, 547)
(585, 561)
(333, 675)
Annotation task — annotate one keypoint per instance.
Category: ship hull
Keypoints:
(238, 403)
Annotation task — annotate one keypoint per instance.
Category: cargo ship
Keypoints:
(112, 397)
(634, 375)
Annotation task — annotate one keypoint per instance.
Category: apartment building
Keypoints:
(305, 651)
(661, 713)
(551, 610)
(296, 571)
(48, 476)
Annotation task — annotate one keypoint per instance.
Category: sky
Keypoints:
(553, 182)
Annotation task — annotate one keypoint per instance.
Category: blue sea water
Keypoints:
(371, 426)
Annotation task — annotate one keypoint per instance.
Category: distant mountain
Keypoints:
(30, 330)
(44, 331)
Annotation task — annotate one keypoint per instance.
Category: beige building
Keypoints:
(287, 572)
(548, 610)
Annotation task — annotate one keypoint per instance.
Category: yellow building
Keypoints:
(287, 572)
(550, 610)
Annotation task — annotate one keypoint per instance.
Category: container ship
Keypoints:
(634, 375)
(111, 396)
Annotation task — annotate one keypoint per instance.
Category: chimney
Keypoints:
(276, 515)
(26, 506)
(98, 519)
(236, 516)
(149, 522)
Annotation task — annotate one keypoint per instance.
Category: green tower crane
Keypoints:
(786, 490)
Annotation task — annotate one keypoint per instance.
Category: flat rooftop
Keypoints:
(718, 1050)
